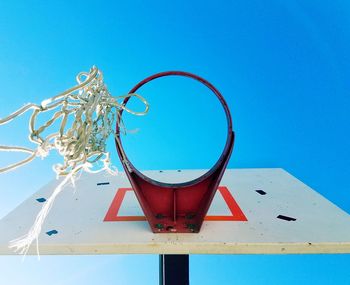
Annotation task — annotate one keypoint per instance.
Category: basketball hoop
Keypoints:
(176, 207)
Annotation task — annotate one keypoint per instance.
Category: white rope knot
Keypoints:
(41, 152)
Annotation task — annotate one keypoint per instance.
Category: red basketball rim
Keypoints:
(128, 166)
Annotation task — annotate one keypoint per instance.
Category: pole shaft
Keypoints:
(174, 269)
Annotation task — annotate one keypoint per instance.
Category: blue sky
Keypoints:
(283, 67)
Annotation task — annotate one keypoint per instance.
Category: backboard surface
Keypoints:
(254, 211)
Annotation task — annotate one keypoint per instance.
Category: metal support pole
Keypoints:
(174, 269)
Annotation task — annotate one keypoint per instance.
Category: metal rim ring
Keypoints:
(224, 155)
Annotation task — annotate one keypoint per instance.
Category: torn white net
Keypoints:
(81, 144)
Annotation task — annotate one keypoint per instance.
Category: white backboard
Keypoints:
(271, 212)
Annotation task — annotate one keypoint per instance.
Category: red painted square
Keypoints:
(236, 212)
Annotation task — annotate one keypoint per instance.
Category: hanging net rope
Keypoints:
(86, 113)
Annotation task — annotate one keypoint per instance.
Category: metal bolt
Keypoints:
(159, 216)
(191, 227)
(190, 216)
(160, 226)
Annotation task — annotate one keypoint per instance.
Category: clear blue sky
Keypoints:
(283, 66)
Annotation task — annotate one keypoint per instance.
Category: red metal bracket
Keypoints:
(179, 207)
(236, 213)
